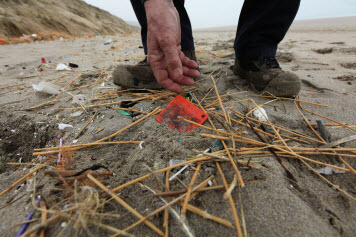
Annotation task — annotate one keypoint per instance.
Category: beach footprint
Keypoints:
(323, 50)
(349, 65)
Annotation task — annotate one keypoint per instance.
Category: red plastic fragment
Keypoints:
(43, 60)
(180, 107)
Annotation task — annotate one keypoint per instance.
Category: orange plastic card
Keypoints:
(180, 107)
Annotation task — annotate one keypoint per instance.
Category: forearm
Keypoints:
(155, 8)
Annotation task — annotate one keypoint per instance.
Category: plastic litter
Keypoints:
(59, 154)
(108, 42)
(76, 114)
(73, 65)
(62, 67)
(179, 172)
(260, 114)
(180, 107)
(24, 226)
(175, 162)
(329, 170)
(217, 143)
(62, 126)
(80, 97)
(46, 87)
(43, 60)
(124, 113)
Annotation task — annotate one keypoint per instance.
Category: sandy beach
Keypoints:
(321, 52)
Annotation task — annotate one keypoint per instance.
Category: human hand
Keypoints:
(169, 64)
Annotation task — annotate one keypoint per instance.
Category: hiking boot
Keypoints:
(265, 75)
(140, 76)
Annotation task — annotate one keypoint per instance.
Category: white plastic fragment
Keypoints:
(206, 151)
(62, 126)
(75, 141)
(34, 35)
(80, 97)
(46, 87)
(62, 67)
(175, 162)
(63, 224)
(329, 170)
(260, 114)
(180, 171)
(140, 145)
(76, 114)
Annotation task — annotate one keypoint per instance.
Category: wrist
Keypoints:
(157, 3)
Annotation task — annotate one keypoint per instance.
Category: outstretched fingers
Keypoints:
(187, 62)
(193, 73)
(172, 57)
(163, 79)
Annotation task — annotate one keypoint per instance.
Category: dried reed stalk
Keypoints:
(277, 127)
(241, 182)
(306, 164)
(155, 111)
(5, 87)
(19, 89)
(41, 226)
(321, 116)
(309, 125)
(168, 204)
(80, 103)
(283, 98)
(166, 212)
(227, 194)
(185, 227)
(232, 204)
(195, 159)
(68, 85)
(44, 215)
(220, 102)
(86, 125)
(126, 206)
(20, 180)
(41, 105)
(78, 147)
(133, 110)
(188, 193)
(172, 193)
(208, 216)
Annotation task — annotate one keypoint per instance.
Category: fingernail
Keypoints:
(177, 72)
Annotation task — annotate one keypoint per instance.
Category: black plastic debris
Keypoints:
(128, 104)
(73, 65)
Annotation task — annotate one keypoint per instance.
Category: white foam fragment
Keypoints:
(76, 114)
(62, 67)
(329, 170)
(260, 114)
(62, 126)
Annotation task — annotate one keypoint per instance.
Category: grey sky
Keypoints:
(212, 13)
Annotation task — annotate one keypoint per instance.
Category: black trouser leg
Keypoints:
(262, 25)
(187, 41)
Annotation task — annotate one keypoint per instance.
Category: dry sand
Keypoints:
(321, 52)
